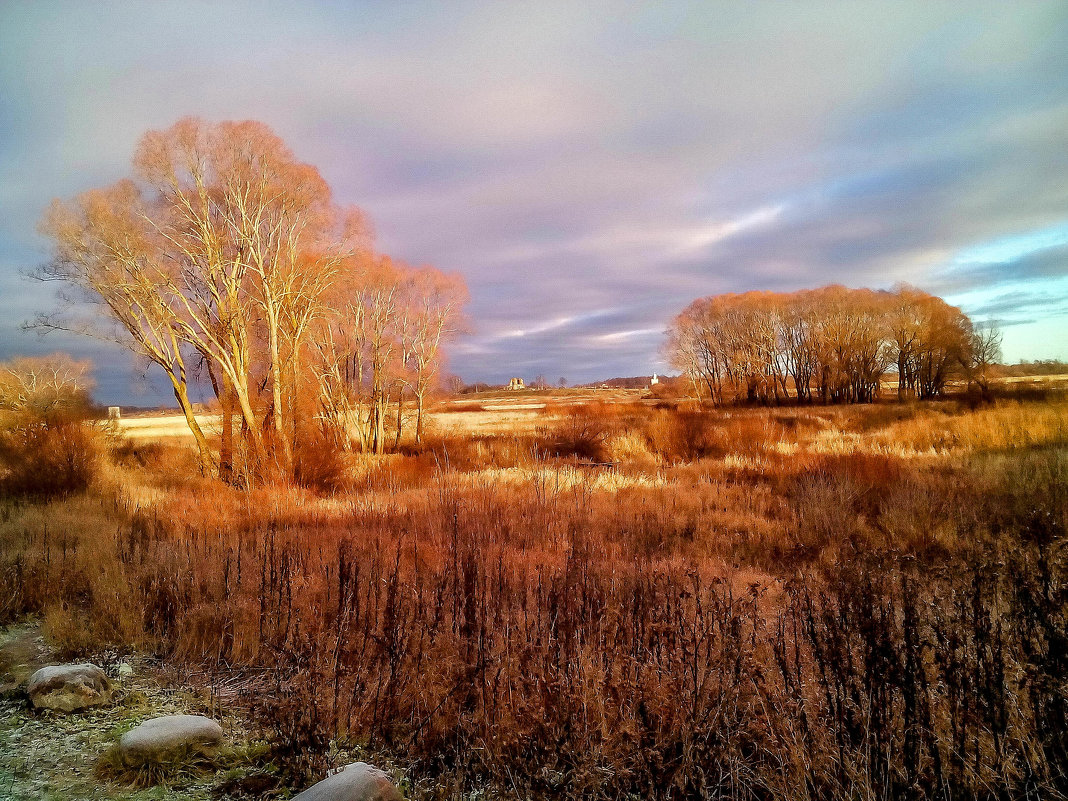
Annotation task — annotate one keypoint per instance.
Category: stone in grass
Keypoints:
(68, 688)
(170, 739)
(356, 782)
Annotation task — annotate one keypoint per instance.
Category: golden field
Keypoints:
(604, 596)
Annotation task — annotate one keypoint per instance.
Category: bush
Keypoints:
(319, 464)
(46, 459)
(682, 435)
(581, 432)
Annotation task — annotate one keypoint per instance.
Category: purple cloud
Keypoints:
(589, 170)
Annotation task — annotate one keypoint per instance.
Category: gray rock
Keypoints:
(171, 738)
(356, 782)
(67, 688)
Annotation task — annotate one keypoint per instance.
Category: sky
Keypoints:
(590, 168)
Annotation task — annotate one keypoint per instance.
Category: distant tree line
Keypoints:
(1035, 367)
(831, 345)
(226, 258)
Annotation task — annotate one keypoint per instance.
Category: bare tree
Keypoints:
(223, 252)
(42, 386)
(983, 353)
(104, 247)
(832, 342)
(437, 300)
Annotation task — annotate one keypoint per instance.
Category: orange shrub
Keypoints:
(48, 459)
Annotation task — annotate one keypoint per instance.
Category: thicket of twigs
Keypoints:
(829, 603)
(46, 447)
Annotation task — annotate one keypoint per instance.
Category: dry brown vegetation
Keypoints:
(618, 600)
(45, 447)
(579, 595)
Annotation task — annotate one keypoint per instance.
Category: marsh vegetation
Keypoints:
(619, 599)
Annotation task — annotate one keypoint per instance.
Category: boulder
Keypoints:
(67, 688)
(356, 782)
(169, 739)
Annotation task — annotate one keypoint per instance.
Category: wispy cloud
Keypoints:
(567, 158)
(622, 336)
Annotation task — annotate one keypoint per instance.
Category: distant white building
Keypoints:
(654, 381)
(516, 383)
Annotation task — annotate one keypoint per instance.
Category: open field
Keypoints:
(602, 598)
(485, 412)
(165, 426)
(499, 411)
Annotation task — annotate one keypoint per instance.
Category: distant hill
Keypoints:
(1042, 367)
(633, 382)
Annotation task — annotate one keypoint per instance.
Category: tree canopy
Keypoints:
(831, 344)
(225, 254)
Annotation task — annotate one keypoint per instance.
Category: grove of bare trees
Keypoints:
(831, 344)
(226, 258)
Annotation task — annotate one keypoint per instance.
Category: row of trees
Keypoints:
(226, 259)
(832, 344)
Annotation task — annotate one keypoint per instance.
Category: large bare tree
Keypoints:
(225, 251)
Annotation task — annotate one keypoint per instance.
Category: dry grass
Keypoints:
(748, 603)
(165, 426)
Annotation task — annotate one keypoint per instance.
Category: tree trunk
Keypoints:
(226, 420)
(276, 392)
(249, 427)
(226, 443)
(378, 423)
(418, 418)
(181, 394)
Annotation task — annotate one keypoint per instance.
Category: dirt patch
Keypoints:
(47, 756)
(22, 652)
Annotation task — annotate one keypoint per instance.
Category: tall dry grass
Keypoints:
(736, 610)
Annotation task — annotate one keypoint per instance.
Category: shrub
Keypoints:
(47, 459)
(630, 447)
(580, 432)
(319, 464)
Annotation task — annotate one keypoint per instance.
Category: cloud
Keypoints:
(570, 159)
(1034, 256)
(623, 336)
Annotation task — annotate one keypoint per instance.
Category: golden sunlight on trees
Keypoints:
(831, 344)
(224, 253)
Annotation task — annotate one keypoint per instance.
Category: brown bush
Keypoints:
(50, 458)
(169, 465)
(319, 464)
(580, 432)
(484, 451)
